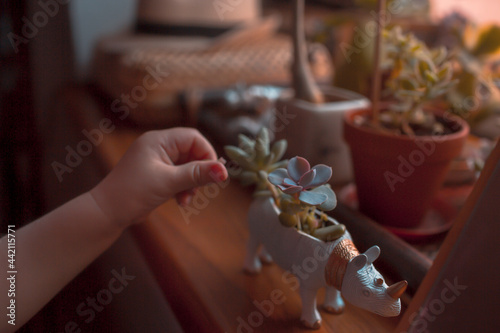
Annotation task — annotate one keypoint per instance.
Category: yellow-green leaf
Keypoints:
(330, 233)
(431, 77)
(288, 220)
(446, 72)
(488, 41)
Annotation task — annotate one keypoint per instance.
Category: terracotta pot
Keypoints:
(398, 176)
(314, 131)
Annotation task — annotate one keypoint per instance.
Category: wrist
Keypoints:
(108, 208)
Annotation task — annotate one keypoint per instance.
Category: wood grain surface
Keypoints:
(198, 263)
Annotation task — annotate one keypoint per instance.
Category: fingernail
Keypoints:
(217, 172)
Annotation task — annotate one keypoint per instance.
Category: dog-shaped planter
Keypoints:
(336, 265)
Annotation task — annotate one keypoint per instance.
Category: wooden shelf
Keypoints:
(198, 263)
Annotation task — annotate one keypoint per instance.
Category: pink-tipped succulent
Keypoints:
(299, 178)
(304, 190)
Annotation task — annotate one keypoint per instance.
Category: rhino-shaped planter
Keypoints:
(336, 265)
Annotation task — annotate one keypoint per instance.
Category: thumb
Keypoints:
(198, 173)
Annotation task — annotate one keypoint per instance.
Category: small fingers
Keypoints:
(196, 174)
(184, 145)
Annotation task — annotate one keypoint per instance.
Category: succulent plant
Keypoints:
(256, 158)
(476, 96)
(418, 75)
(299, 178)
(303, 190)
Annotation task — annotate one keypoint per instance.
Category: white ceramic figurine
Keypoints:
(336, 265)
(287, 222)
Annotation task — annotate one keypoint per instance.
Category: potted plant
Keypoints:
(287, 222)
(402, 154)
(476, 97)
(303, 189)
(316, 112)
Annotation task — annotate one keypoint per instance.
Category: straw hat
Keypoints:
(198, 13)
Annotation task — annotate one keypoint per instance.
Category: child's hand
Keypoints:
(158, 166)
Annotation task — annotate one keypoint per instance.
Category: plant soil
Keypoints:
(429, 125)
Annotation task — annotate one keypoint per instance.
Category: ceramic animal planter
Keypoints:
(336, 265)
(287, 219)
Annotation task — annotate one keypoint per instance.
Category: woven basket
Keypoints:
(120, 72)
